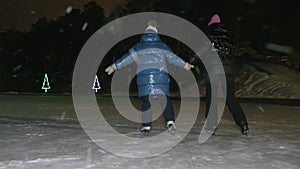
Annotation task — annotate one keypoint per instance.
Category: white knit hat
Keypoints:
(152, 24)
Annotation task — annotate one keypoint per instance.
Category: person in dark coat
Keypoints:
(223, 45)
(150, 55)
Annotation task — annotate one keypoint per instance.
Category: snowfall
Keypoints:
(43, 131)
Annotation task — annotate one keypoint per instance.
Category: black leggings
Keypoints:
(232, 103)
(168, 112)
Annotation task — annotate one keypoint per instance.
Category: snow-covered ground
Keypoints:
(43, 132)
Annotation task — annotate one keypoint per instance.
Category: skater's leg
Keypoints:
(208, 95)
(232, 103)
(146, 111)
(168, 113)
(234, 106)
(212, 118)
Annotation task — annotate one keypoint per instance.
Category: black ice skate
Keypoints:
(145, 130)
(171, 127)
(245, 129)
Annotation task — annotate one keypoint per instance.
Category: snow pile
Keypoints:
(282, 83)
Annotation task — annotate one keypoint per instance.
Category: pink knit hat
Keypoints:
(214, 19)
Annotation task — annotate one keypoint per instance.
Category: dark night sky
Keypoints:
(276, 19)
(22, 13)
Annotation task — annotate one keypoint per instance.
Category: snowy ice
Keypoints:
(33, 137)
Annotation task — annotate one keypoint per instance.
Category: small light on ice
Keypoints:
(90, 166)
(101, 151)
(89, 158)
(63, 114)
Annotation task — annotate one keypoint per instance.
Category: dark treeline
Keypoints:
(49, 47)
(52, 46)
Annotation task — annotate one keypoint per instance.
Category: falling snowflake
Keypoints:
(183, 12)
(261, 109)
(200, 18)
(84, 26)
(250, 1)
(17, 68)
(69, 9)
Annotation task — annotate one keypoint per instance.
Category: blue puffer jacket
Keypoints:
(150, 55)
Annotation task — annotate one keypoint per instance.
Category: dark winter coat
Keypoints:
(221, 41)
(150, 55)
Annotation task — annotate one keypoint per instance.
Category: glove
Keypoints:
(110, 69)
(188, 66)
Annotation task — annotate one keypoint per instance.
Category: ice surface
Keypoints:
(32, 135)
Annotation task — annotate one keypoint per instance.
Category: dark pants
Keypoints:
(168, 112)
(232, 103)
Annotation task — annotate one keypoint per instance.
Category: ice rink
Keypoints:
(42, 131)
